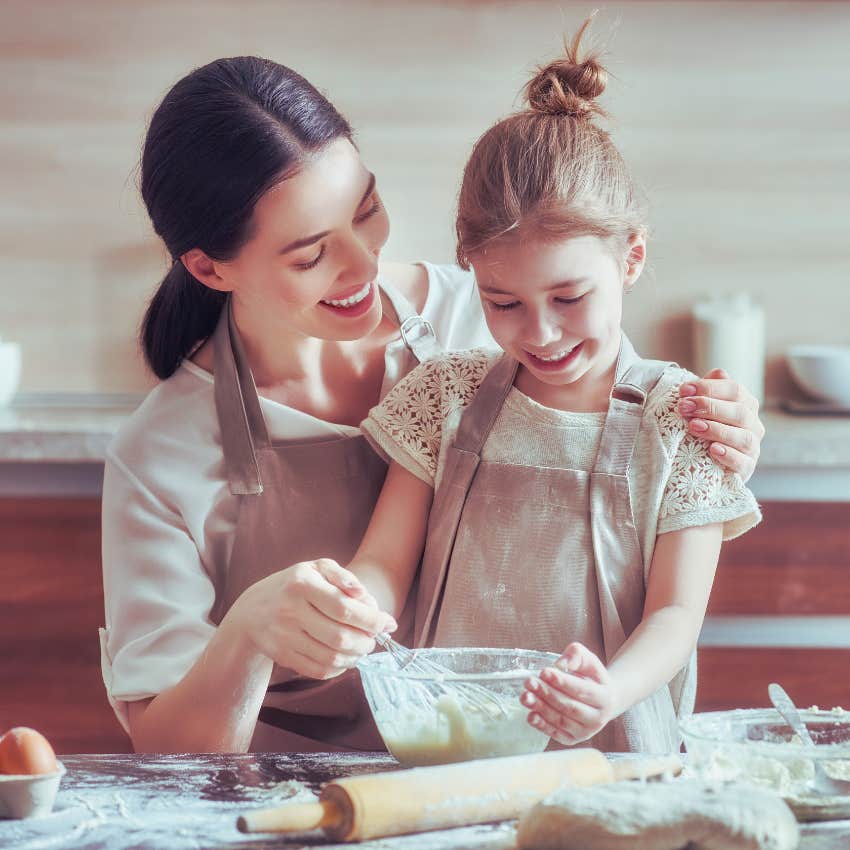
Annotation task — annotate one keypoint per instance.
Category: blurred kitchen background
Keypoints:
(735, 117)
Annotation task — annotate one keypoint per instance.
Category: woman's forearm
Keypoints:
(213, 708)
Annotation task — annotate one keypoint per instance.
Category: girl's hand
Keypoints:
(724, 413)
(573, 700)
(314, 618)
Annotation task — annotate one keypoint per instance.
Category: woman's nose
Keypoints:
(361, 261)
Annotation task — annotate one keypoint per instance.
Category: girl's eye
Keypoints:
(509, 306)
(311, 264)
(570, 300)
(375, 208)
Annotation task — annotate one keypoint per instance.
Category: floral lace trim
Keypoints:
(413, 412)
(697, 483)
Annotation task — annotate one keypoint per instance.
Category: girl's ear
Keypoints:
(634, 260)
(203, 269)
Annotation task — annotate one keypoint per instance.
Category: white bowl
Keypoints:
(10, 370)
(29, 796)
(822, 371)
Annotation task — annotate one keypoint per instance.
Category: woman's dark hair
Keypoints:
(223, 136)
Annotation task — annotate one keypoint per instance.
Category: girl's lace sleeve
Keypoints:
(407, 426)
(699, 491)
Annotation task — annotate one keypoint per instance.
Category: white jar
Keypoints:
(10, 370)
(728, 332)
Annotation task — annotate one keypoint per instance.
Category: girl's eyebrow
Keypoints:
(562, 284)
(309, 240)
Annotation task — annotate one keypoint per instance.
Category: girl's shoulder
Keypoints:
(662, 406)
(452, 377)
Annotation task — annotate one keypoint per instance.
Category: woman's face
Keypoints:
(312, 261)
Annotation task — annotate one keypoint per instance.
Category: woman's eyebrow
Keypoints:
(310, 240)
(562, 284)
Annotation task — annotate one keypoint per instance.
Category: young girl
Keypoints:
(568, 504)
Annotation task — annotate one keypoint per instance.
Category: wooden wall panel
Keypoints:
(737, 677)
(797, 561)
(52, 594)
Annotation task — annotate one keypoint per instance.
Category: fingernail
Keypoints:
(687, 389)
(687, 406)
(698, 425)
(529, 699)
(536, 722)
(534, 684)
(563, 665)
(718, 449)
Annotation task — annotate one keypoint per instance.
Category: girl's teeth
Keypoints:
(560, 356)
(349, 302)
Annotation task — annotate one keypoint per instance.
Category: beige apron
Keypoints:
(299, 500)
(521, 556)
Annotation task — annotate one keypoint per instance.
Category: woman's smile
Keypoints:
(352, 304)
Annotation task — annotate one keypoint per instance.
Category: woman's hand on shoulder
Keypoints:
(724, 413)
(315, 618)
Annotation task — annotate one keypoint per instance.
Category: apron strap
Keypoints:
(616, 547)
(416, 333)
(240, 419)
(479, 417)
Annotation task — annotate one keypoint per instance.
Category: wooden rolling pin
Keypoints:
(375, 805)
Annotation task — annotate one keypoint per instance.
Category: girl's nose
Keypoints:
(543, 329)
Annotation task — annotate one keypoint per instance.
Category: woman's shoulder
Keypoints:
(174, 423)
(447, 297)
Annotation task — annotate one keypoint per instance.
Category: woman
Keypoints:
(274, 332)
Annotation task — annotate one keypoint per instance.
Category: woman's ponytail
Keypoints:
(223, 136)
(181, 315)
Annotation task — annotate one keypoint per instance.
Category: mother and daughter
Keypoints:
(558, 492)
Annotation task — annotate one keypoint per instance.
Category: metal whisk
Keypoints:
(410, 660)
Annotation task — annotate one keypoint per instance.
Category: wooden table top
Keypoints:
(189, 802)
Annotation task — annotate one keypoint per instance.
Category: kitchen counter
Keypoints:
(803, 457)
(178, 802)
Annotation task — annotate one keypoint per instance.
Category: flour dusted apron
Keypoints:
(299, 500)
(521, 556)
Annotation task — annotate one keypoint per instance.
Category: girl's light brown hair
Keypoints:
(549, 172)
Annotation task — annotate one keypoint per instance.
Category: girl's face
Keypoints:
(556, 306)
(312, 261)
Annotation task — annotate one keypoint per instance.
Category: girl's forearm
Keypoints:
(213, 708)
(657, 649)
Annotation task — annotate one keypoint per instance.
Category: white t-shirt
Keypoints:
(168, 514)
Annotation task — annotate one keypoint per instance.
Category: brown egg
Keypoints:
(24, 752)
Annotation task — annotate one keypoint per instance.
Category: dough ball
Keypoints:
(660, 816)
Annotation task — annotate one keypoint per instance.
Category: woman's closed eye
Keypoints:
(373, 209)
(311, 264)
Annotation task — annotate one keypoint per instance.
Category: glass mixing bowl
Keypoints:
(757, 746)
(472, 712)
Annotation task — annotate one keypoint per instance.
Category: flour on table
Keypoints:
(660, 816)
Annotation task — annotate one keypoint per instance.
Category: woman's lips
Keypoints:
(354, 304)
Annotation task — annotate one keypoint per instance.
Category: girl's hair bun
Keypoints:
(568, 86)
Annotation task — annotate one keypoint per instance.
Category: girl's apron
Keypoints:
(299, 500)
(521, 556)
